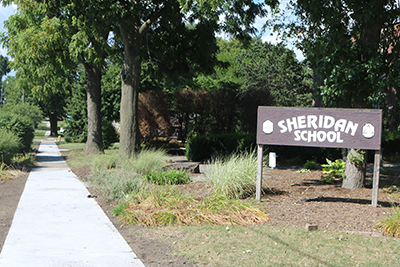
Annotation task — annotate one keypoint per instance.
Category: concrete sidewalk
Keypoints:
(56, 224)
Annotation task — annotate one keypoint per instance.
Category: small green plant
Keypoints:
(391, 225)
(310, 165)
(356, 158)
(332, 170)
(168, 177)
(392, 191)
(21, 161)
(304, 171)
(3, 168)
(118, 210)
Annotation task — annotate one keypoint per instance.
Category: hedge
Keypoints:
(10, 145)
(202, 148)
(21, 126)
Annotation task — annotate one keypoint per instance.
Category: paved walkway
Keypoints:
(56, 224)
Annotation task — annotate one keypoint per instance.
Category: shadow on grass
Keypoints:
(296, 250)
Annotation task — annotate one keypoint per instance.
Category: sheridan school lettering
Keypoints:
(321, 128)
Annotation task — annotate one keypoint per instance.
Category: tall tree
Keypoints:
(89, 46)
(4, 67)
(138, 18)
(66, 33)
(274, 68)
(353, 48)
(33, 44)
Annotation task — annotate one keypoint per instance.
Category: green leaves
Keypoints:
(274, 68)
(333, 169)
(169, 177)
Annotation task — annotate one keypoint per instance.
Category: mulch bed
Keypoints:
(296, 199)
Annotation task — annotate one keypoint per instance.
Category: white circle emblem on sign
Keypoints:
(268, 127)
(368, 130)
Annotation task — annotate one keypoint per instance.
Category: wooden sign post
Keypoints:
(320, 127)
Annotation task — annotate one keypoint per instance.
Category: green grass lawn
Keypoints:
(71, 146)
(276, 246)
(77, 155)
(39, 134)
(40, 131)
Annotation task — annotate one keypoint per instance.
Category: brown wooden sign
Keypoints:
(320, 127)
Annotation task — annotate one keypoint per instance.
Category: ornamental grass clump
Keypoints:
(116, 184)
(105, 162)
(114, 179)
(235, 176)
(162, 206)
(391, 225)
(147, 161)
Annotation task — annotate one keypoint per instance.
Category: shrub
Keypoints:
(310, 165)
(69, 138)
(205, 147)
(199, 148)
(19, 125)
(168, 177)
(109, 134)
(10, 145)
(34, 113)
(234, 176)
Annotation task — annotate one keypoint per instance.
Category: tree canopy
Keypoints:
(135, 20)
(164, 40)
(352, 46)
(353, 49)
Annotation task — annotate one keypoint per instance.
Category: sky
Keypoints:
(5, 12)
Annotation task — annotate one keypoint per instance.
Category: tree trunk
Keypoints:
(53, 124)
(355, 170)
(94, 142)
(130, 77)
(371, 30)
